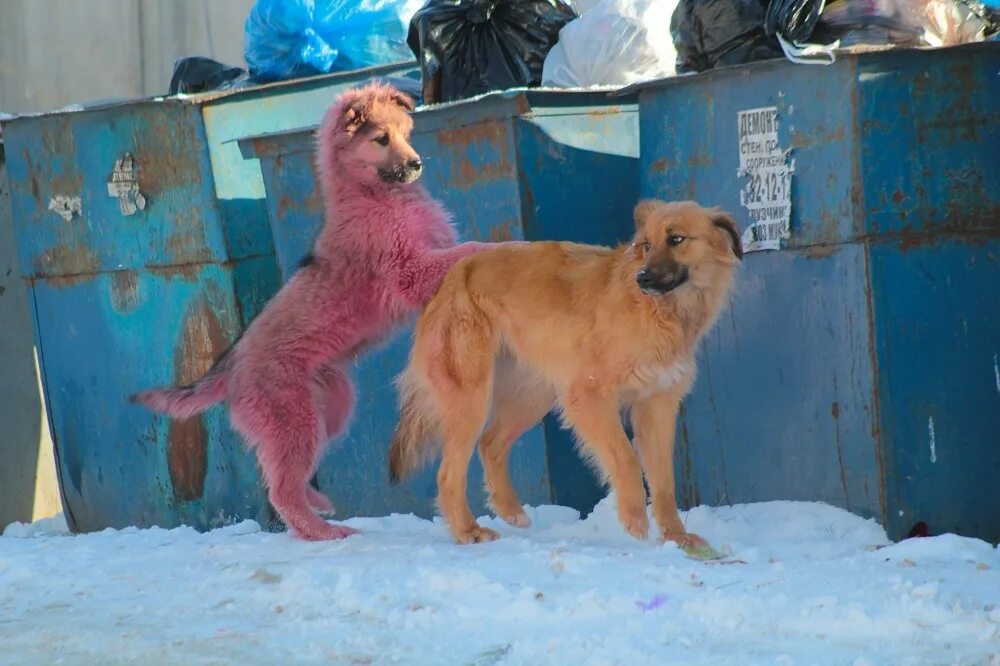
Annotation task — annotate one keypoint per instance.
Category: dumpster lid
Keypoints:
(249, 92)
(305, 83)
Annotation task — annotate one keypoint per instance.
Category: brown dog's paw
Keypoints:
(694, 546)
(685, 540)
(477, 534)
(518, 520)
(635, 522)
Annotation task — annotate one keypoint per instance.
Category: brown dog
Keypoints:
(590, 329)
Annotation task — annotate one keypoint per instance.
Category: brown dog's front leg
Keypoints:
(654, 420)
(596, 420)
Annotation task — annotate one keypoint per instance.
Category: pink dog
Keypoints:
(383, 250)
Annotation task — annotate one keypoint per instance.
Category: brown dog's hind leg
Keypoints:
(519, 402)
(464, 393)
(461, 427)
(654, 420)
(597, 422)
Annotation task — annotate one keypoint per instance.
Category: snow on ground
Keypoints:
(810, 587)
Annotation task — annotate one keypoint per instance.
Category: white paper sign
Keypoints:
(124, 185)
(766, 192)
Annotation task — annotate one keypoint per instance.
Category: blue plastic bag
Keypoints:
(285, 39)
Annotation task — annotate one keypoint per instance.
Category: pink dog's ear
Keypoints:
(403, 100)
(354, 116)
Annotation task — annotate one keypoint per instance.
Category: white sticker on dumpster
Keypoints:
(766, 179)
(124, 185)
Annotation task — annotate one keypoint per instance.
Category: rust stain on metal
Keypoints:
(821, 251)
(660, 166)
(971, 223)
(313, 204)
(35, 193)
(202, 340)
(502, 232)
(186, 272)
(491, 131)
(67, 261)
(124, 290)
(816, 138)
(466, 176)
(65, 281)
(167, 155)
(187, 458)
(876, 403)
(835, 413)
(186, 242)
(58, 148)
(600, 113)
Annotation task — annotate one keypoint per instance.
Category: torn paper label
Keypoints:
(766, 179)
(66, 207)
(124, 185)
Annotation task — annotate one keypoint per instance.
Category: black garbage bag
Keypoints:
(716, 33)
(469, 47)
(794, 20)
(197, 75)
(798, 21)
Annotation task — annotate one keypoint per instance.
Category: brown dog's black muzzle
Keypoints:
(661, 279)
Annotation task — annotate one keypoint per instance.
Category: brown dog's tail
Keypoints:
(418, 435)
(183, 402)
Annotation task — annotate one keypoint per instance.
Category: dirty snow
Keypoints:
(806, 584)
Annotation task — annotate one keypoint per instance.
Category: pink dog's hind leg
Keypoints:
(334, 398)
(319, 502)
(283, 425)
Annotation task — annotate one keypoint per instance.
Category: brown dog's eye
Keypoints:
(645, 246)
(674, 241)
(382, 140)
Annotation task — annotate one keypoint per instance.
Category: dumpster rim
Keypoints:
(847, 54)
(301, 84)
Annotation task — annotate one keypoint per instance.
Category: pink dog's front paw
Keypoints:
(327, 533)
(343, 531)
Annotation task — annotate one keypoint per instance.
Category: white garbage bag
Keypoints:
(614, 43)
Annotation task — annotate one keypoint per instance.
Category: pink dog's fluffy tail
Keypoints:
(183, 402)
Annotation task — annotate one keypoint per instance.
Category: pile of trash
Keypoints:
(468, 47)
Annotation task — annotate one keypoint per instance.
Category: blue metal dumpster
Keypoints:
(145, 239)
(857, 364)
(521, 164)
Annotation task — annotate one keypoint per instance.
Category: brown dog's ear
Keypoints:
(354, 116)
(643, 210)
(403, 100)
(725, 221)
